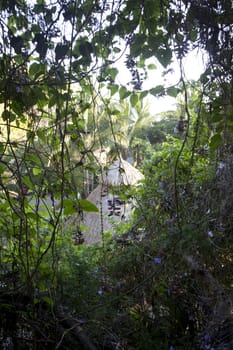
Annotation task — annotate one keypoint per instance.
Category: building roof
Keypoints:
(121, 172)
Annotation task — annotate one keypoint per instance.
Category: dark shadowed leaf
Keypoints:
(215, 142)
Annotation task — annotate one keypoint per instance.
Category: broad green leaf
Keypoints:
(2, 147)
(69, 207)
(216, 117)
(172, 91)
(111, 73)
(164, 56)
(151, 66)
(143, 94)
(123, 92)
(35, 28)
(42, 135)
(204, 78)
(52, 101)
(113, 88)
(158, 90)
(88, 206)
(7, 115)
(36, 69)
(116, 49)
(85, 49)
(32, 215)
(152, 9)
(215, 142)
(137, 45)
(36, 171)
(193, 35)
(17, 107)
(42, 44)
(229, 123)
(27, 181)
(115, 112)
(83, 227)
(61, 51)
(32, 158)
(133, 99)
(2, 169)
(47, 300)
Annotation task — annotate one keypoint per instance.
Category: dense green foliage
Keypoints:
(163, 280)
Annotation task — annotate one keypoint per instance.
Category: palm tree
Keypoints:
(116, 129)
